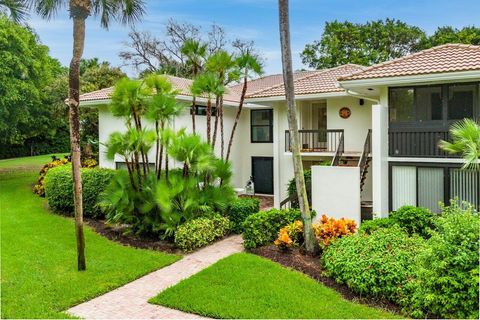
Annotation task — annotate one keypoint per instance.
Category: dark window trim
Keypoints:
(270, 125)
(432, 124)
(201, 107)
(446, 177)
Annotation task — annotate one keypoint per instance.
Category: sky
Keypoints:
(255, 20)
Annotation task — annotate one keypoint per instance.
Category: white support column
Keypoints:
(380, 159)
(276, 157)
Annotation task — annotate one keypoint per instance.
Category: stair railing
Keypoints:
(339, 152)
(367, 148)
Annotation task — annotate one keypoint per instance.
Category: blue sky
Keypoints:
(256, 20)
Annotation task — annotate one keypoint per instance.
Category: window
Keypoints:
(425, 185)
(202, 110)
(261, 125)
(461, 101)
(401, 105)
(429, 103)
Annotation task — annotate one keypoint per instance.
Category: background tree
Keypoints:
(16, 9)
(447, 34)
(32, 91)
(364, 44)
(311, 244)
(465, 142)
(377, 41)
(125, 11)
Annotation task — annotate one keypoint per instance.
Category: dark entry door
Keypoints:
(262, 172)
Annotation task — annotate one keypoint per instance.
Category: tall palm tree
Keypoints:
(196, 53)
(249, 66)
(210, 85)
(124, 11)
(17, 9)
(161, 109)
(222, 64)
(311, 244)
(465, 141)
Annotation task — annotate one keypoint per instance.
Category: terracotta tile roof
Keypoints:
(305, 82)
(444, 58)
(181, 84)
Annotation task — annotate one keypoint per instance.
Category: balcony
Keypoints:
(417, 142)
(316, 140)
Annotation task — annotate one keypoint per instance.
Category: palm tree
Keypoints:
(210, 85)
(249, 66)
(311, 244)
(161, 109)
(466, 142)
(124, 11)
(17, 9)
(224, 66)
(195, 53)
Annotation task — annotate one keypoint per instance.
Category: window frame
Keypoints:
(270, 125)
(202, 107)
(444, 123)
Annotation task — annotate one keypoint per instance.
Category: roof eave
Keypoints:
(412, 79)
(299, 97)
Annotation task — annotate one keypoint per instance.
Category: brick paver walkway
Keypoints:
(131, 300)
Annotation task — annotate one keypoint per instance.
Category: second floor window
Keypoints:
(202, 111)
(437, 104)
(261, 125)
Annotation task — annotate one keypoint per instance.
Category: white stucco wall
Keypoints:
(356, 126)
(242, 149)
(336, 192)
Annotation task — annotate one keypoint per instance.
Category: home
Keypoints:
(377, 128)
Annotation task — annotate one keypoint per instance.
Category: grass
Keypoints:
(248, 286)
(27, 163)
(39, 276)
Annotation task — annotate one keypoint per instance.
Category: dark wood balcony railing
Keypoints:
(416, 142)
(316, 140)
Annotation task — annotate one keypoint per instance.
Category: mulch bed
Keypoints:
(117, 234)
(311, 266)
(266, 202)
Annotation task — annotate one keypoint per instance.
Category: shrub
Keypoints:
(446, 281)
(199, 232)
(240, 209)
(290, 235)
(330, 229)
(59, 189)
(39, 187)
(370, 226)
(378, 264)
(414, 220)
(262, 228)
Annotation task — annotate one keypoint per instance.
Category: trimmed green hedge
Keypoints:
(59, 189)
(262, 228)
(199, 232)
(240, 209)
(378, 264)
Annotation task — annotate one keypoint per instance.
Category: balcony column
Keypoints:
(380, 160)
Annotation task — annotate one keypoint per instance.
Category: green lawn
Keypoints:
(39, 277)
(248, 286)
(27, 163)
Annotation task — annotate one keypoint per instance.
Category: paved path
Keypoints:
(131, 300)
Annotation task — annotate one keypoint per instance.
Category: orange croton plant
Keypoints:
(326, 231)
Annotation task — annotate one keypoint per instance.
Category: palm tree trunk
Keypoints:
(222, 132)
(160, 156)
(209, 119)
(157, 164)
(215, 129)
(73, 103)
(237, 118)
(311, 244)
(193, 110)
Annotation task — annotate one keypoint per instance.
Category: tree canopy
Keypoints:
(377, 41)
